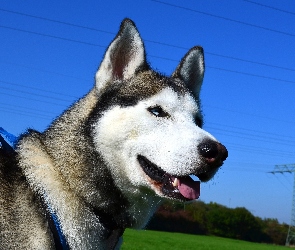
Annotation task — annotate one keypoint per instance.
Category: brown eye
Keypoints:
(158, 111)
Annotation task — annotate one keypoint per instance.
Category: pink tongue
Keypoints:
(189, 188)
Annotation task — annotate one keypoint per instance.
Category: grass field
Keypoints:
(150, 240)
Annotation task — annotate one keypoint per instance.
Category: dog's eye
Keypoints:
(158, 111)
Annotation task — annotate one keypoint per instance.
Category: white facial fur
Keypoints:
(170, 142)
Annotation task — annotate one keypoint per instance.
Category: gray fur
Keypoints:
(68, 171)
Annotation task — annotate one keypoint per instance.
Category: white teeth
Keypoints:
(175, 182)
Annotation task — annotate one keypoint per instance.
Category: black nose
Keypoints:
(213, 151)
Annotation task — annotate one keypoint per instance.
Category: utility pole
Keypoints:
(281, 169)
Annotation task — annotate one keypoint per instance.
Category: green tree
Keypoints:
(214, 219)
(275, 231)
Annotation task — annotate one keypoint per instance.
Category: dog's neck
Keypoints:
(113, 230)
(76, 218)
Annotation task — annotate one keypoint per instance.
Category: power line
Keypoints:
(240, 166)
(237, 72)
(237, 169)
(92, 44)
(253, 130)
(271, 7)
(25, 109)
(250, 74)
(57, 21)
(249, 114)
(255, 137)
(283, 184)
(250, 61)
(30, 93)
(27, 114)
(51, 36)
(147, 40)
(33, 99)
(39, 89)
(226, 18)
(42, 70)
(258, 150)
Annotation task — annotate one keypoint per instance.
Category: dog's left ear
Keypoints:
(191, 70)
(124, 56)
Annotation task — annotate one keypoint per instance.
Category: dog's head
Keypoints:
(149, 130)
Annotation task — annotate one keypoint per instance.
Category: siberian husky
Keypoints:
(109, 160)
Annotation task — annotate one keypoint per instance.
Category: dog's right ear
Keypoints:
(191, 70)
(124, 56)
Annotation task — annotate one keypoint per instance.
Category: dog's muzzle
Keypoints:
(212, 155)
(178, 187)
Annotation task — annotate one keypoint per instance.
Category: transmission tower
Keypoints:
(281, 169)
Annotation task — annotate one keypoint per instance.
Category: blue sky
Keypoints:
(50, 51)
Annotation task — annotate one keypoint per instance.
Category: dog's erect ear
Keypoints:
(191, 70)
(124, 56)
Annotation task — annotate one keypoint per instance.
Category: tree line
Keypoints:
(215, 219)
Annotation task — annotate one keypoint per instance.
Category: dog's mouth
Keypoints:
(178, 187)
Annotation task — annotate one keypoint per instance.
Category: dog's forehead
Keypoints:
(150, 83)
(172, 100)
(143, 86)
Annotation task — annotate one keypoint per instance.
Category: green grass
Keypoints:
(150, 240)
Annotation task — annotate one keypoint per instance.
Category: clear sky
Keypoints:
(50, 51)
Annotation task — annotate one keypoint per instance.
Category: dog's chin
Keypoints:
(182, 188)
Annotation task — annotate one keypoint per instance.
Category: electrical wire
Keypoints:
(271, 7)
(92, 44)
(147, 40)
(225, 18)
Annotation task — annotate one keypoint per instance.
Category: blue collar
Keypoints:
(7, 140)
(58, 236)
